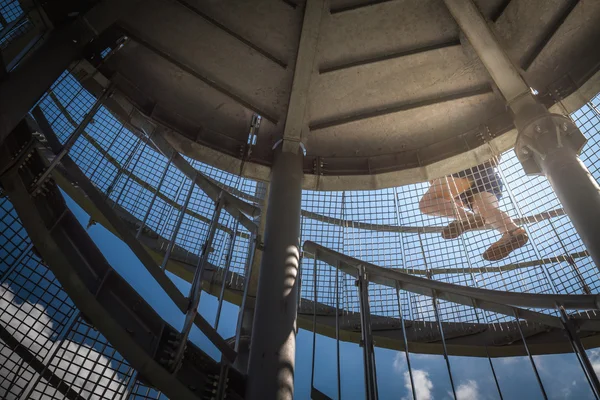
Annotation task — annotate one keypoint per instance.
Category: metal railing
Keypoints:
(508, 303)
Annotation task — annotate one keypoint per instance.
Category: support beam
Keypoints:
(547, 144)
(273, 344)
(296, 122)
(26, 84)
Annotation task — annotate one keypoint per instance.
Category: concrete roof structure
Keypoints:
(392, 91)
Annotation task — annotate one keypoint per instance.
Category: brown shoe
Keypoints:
(458, 227)
(509, 242)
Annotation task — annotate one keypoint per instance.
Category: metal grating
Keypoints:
(385, 227)
(37, 315)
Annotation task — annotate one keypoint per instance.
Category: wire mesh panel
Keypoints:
(92, 366)
(38, 317)
(490, 226)
(13, 22)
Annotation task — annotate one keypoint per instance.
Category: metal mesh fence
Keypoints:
(39, 319)
(400, 228)
(393, 228)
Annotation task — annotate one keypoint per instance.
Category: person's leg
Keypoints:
(486, 205)
(440, 198)
(513, 236)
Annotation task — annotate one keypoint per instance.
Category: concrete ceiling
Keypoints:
(394, 84)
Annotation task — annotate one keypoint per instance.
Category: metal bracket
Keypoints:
(546, 135)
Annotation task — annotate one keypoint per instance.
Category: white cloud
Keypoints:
(81, 366)
(423, 384)
(468, 391)
(399, 362)
(594, 356)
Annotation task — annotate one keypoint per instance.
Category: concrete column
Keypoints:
(547, 143)
(273, 343)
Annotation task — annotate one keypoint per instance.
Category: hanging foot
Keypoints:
(458, 227)
(509, 242)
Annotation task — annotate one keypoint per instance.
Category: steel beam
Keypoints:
(476, 29)
(273, 344)
(27, 83)
(547, 144)
(395, 108)
(296, 122)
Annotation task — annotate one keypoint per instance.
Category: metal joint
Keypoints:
(543, 136)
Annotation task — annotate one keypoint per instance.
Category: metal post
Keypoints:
(535, 370)
(547, 144)
(412, 381)
(124, 167)
(247, 274)
(439, 322)
(196, 288)
(228, 257)
(273, 345)
(337, 332)
(160, 183)
(171, 244)
(486, 350)
(72, 139)
(244, 321)
(367, 336)
(579, 351)
(314, 340)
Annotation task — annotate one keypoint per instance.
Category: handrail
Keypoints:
(531, 219)
(488, 270)
(492, 300)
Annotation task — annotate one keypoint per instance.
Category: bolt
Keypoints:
(565, 126)
(538, 129)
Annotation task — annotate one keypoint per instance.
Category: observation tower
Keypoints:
(189, 186)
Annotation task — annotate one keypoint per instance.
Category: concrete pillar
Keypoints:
(547, 143)
(273, 343)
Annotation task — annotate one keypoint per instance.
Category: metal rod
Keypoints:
(474, 303)
(196, 288)
(228, 257)
(171, 244)
(584, 287)
(247, 273)
(367, 337)
(535, 370)
(72, 139)
(538, 255)
(135, 163)
(314, 340)
(337, 333)
(170, 208)
(158, 187)
(101, 157)
(412, 381)
(128, 391)
(579, 350)
(480, 36)
(439, 322)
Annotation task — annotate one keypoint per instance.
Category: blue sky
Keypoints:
(561, 374)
